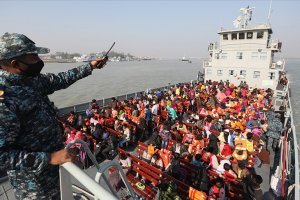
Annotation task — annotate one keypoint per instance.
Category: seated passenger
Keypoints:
(125, 162)
(241, 170)
(213, 160)
(253, 190)
(126, 135)
(165, 155)
(249, 142)
(220, 168)
(188, 137)
(197, 145)
(203, 112)
(217, 191)
(181, 127)
(94, 107)
(165, 137)
(213, 143)
(197, 160)
(149, 152)
(157, 161)
(179, 148)
(169, 191)
(226, 151)
(228, 172)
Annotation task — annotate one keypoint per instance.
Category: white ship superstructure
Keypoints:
(245, 53)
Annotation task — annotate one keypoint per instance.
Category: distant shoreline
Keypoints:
(59, 60)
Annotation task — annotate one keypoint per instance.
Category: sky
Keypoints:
(161, 29)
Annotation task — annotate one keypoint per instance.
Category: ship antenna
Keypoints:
(270, 11)
(243, 20)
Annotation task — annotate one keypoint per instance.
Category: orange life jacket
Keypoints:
(196, 194)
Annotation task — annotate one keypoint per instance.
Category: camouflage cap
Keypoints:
(14, 45)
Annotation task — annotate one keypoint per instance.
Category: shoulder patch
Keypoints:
(1, 93)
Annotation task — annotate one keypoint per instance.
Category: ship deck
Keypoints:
(265, 170)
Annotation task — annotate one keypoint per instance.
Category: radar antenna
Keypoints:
(243, 20)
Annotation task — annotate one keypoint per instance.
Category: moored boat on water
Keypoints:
(244, 54)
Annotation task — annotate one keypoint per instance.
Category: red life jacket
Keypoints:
(216, 190)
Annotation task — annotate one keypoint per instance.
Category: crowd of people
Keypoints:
(216, 126)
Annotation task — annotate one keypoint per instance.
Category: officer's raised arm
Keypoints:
(31, 139)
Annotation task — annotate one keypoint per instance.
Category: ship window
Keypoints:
(263, 55)
(225, 37)
(219, 73)
(217, 56)
(239, 55)
(234, 36)
(208, 71)
(254, 55)
(243, 73)
(224, 56)
(256, 74)
(249, 35)
(231, 72)
(272, 75)
(260, 35)
(241, 36)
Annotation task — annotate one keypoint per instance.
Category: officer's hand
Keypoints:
(99, 62)
(62, 156)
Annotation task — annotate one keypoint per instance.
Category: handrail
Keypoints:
(98, 191)
(296, 156)
(121, 173)
(283, 175)
(93, 159)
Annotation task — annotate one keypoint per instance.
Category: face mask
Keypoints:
(32, 69)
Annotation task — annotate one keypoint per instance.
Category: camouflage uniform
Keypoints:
(29, 127)
(274, 131)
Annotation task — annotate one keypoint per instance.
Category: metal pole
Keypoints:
(88, 182)
(93, 159)
(106, 166)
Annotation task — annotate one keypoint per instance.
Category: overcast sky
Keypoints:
(163, 29)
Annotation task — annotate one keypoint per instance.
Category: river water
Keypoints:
(119, 78)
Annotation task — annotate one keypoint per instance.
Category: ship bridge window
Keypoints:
(249, 35)
(272, 75)
(219, 72)
(239, 55)
(243, 73)
(231, 72)
(256, 74)
(225, 36)
(234, 36)
(241, 36)
(217, 56)
(260, 35)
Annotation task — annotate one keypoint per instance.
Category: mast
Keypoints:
(270, 12)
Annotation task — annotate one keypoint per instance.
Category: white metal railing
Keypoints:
(296, 148)
(68, 169)
(97, 190)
